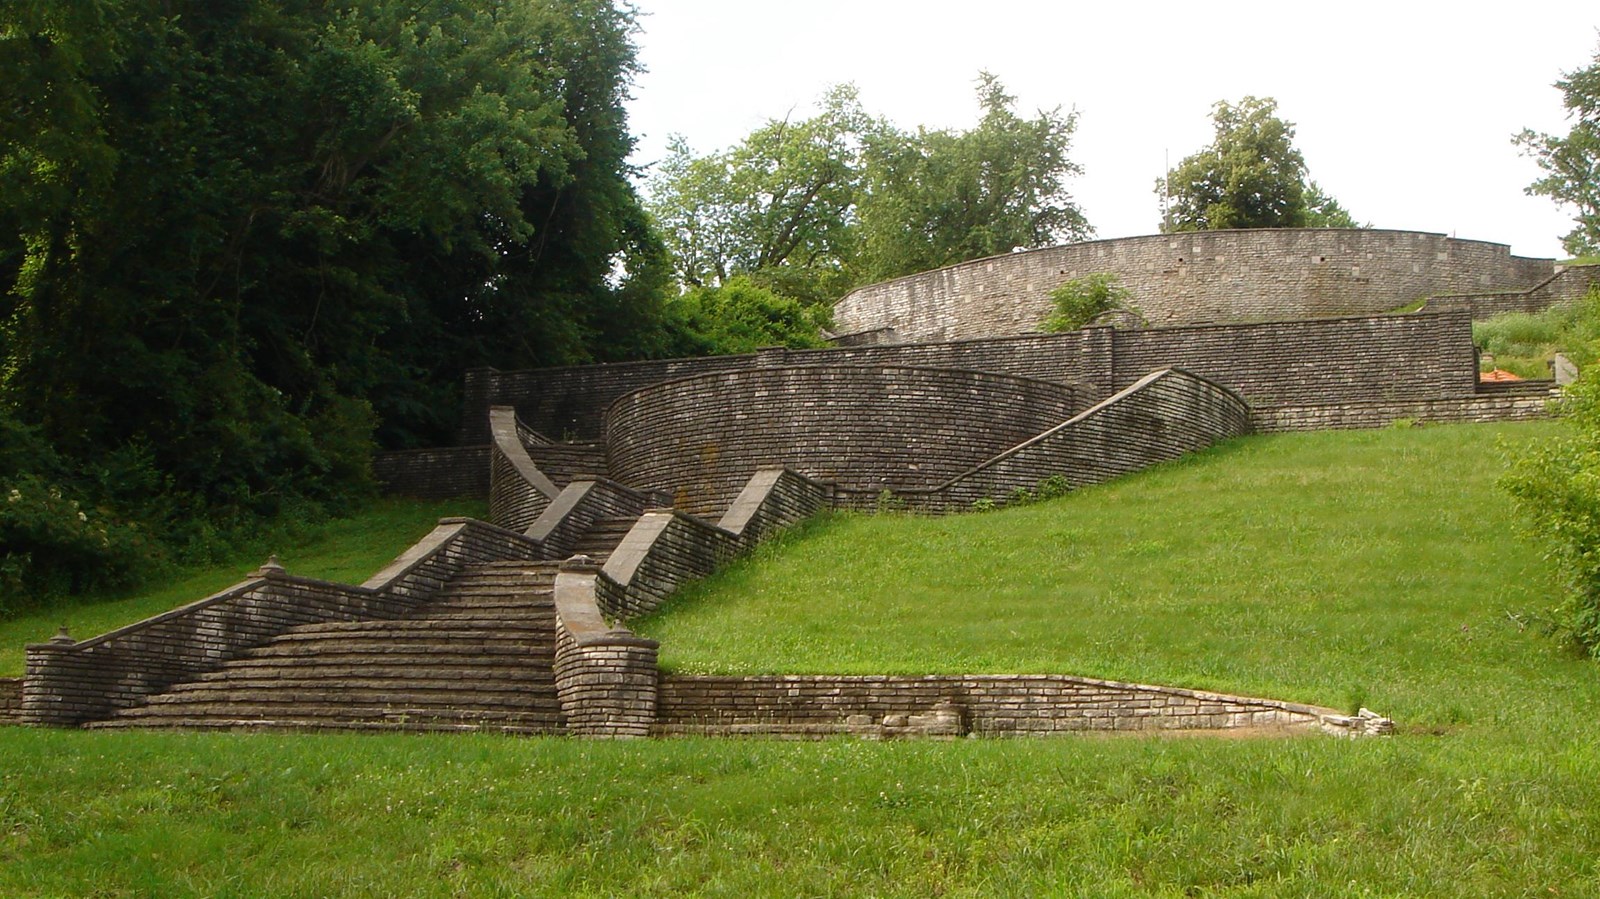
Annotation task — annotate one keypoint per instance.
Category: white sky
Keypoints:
(1404, 110)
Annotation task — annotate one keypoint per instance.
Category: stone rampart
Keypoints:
(1565, 286)
(1194, 277)
(1400, 360)
(871, 428)
(1156, 419)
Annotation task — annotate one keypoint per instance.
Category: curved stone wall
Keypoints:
(1192, 278)
(864, 427)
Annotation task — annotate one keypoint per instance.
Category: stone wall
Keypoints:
(1156, 419)
(862, 427)
(1205, 276)
(1399, 359)
(10, 700)
(954, 705)
(1565, 286)
(70, 682)
(444, 473)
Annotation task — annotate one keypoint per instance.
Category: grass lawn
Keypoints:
(1382, 567)
(348, 550)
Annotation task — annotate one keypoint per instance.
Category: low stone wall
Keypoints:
(518, 491)
(955, 705)
(864, 427)
(1526, 404)
(69, 683)
(606, 675)
(433, 473)
(1566, 285)
(1160, 417)
(10, 700)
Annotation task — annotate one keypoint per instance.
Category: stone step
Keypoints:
(440, 694)
(358, 666)
(376, 721)
(422, 628)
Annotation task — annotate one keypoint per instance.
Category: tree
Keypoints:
(740, 316)
(781, 201)
(812, 207)
(940, 197)
(1572, 163)
(1251, 176)
(239, 236)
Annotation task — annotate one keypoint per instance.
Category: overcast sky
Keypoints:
(1404, 111)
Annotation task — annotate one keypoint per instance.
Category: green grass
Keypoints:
(1381, 567)
(348, 550)
(1524, 343)
(1318, 566)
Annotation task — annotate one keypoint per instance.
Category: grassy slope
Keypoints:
(1379, 567)
(1504, 800)
(348, 550)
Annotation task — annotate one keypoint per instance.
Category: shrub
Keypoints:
(1558, 488)
(1082, 300)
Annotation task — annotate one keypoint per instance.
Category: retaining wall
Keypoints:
(860, 427)
(1388, 358)
(1203, 276)
(954, 705)
(1566, 285)
(1158, 418)
(444, 473)
(10, 700)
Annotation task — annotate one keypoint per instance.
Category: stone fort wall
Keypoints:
(1394, 361)
(1193, 278)
(861, 427)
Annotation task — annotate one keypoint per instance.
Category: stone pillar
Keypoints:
(61, 688)
(606, 677)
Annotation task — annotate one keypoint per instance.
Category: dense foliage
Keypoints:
(240, 239)
(812, 207)
(1080, 301)
(1251, 176)
(1524, 343)
(1572, 163)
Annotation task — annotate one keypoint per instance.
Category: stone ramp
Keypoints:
(479, 658)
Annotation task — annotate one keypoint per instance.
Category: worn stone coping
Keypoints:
(424, 549)
(1180, 235)
(580, 615)
(505, 429)
(744, 507)
(753, 372)
(418, 554)
(562, 504)
(1098, 408)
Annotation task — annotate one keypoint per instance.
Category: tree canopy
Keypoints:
(1250, 176)
(814, 206)
(239, 237)
(1572, 163)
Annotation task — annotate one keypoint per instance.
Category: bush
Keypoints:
(1558, 488)
(1524, 343)
(1082, 300)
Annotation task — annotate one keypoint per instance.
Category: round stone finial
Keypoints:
(270, 568)
(62, 637)
(580, 562)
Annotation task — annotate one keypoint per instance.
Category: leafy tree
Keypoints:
(813, 207)
(1572, 163)
(940, 197)
(1082, 300)
(1251, 176)
(238, 235)
(782, 200)
(741, 316)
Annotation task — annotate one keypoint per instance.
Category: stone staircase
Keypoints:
(480, 657)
